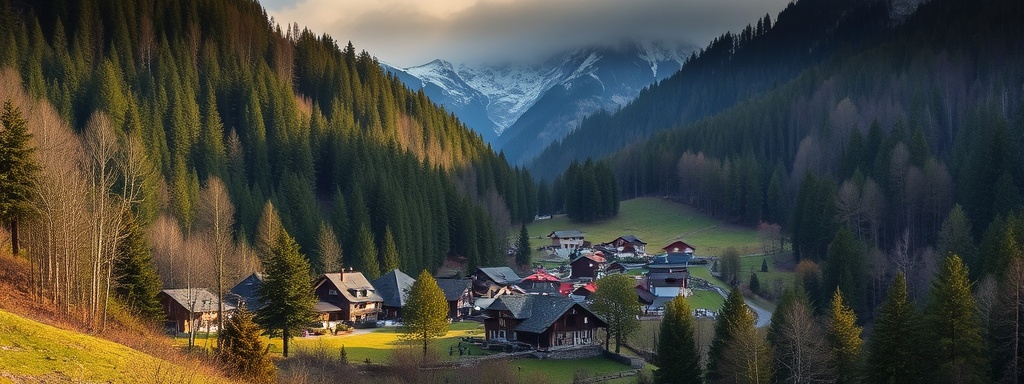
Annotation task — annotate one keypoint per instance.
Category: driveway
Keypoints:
(764, 317)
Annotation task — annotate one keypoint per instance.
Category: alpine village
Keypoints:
(200, 191)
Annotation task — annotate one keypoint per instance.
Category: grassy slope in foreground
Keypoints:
(657, 222)
(34, 351)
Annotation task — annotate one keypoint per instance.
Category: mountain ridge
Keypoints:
(584, 80)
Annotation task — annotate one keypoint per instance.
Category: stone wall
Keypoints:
(570, 353)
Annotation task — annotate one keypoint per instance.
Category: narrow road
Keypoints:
(764, 317)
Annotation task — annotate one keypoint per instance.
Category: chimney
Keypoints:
(341, 273)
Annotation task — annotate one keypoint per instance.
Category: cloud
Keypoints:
(411, 32)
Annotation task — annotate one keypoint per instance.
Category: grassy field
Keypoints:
(705, 299)
(657, 222)
(562, 371)
(36, 352)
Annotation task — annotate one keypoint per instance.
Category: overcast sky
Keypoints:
(413, 32)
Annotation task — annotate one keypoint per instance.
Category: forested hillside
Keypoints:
(879, 162)
(203, 123)
(732, 68)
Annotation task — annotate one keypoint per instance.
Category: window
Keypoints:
(332, 292)
(585, 320)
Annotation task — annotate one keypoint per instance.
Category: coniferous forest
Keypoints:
(179, 144)
(207, 125)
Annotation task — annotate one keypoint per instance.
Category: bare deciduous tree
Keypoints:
(216, 218)
(801, 351)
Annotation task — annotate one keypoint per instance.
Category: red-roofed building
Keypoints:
(565, 289)
(587, 266)
(541, 282)
(679, 248)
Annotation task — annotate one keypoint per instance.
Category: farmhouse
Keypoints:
(244, 293)
(490, 282)
(544, 322)
(459, 294)
(628, 244)
(393, 288)
(615, 267)
(679, 248)
(566, 239)
(188, 309)
(587, 266)
(346, 297)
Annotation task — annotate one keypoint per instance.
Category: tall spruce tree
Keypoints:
(425, 315)
(678, 360)
(286, 292)
(955, 237)
(954, 327)
(845, 268)
(137, 280)
(389, 253)
(366, 253)
(844, 339)
(18, 169)
(733, 309)
(896, 348)
(523, 250)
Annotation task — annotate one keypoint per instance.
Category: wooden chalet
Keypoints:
(245, 293)
(188, 309)
(545, 322)
(566, 239)
(587, 266)
(491, 281)
(459, 294)
(679, 248)
(393, 288)
(628, 244)
(346, 297)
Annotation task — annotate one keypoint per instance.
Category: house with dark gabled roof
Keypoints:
(346, 297)
(459, 294)
(587, 265)
(191, 308)
(628, 244)
(394, 288)
(545, 322)
(488, 281)
(566, 239)
(244, 293)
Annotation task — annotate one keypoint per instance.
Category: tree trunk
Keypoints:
(14, 237)
(607, 340)
(284, 343)
(618, 342)
(424, 347)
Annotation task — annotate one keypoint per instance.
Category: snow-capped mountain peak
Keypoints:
(494, 97)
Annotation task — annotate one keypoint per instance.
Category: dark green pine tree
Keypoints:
(732, 309)
(845, 269)
(287, 292)
(243, 353)
(366, 252)
(137, 280)
(18, 169)
(954, 326)
(956, 238)
(523, 250)
(389, 254)
(677, 358)
(896, 348)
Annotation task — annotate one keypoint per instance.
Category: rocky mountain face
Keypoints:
(522, 107)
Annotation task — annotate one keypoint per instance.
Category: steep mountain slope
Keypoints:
(730, 69)
(926, 114)
(530, 104)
